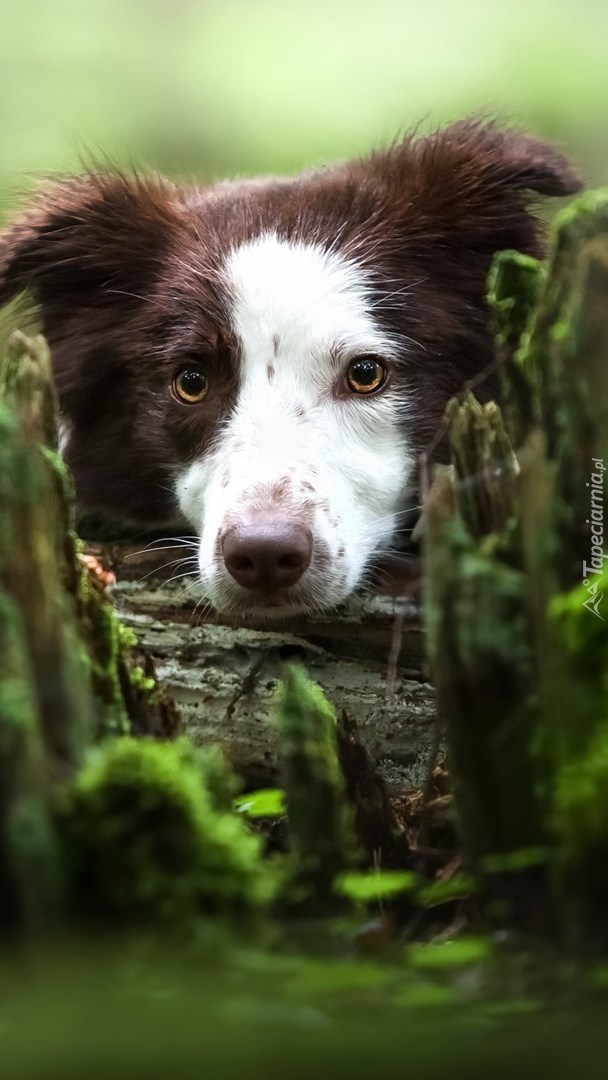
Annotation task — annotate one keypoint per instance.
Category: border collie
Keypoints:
(268, 357)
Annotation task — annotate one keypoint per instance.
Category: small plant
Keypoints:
(143, 839)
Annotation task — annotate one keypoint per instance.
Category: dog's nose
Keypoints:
(267, 554)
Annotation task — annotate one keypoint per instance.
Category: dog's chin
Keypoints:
(274, 608)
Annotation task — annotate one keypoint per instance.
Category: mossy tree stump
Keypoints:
(518, 657)
(65, 672)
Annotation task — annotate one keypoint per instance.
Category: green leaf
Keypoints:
(375, 885)
(326, 978)
(514, 861)
(424, 995)
(440, 892)
(465, 950)
(267, 802)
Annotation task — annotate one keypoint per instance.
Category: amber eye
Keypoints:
(190, 385)
(365, 375)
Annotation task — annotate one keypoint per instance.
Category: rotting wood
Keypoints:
(224, 679)
(65, 671)
(518, 656)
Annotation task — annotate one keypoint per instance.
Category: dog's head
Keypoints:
(269, 357)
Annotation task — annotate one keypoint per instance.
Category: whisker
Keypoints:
(206, 607)
(393, 517)
(178, 577)
(178, 541)
(182, 594)
(165, 566)
(174, 539)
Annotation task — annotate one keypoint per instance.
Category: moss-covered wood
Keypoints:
(46, 712)
(518, 637)
(65, 671)
(314, 786)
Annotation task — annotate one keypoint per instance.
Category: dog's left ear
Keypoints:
(505, 158)
(471, 186)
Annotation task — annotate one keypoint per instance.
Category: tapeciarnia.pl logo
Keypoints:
(594, 569)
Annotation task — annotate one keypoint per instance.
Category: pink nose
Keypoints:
(267, 554)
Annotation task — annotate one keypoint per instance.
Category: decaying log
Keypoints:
(224, 679)
(45, 705)
(38, 566)
(66, 675)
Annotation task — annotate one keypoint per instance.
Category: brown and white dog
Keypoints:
(268, 357)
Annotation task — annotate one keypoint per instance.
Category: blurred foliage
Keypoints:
(143, 839)
(376, 885)
(142, 1011)
(213, 87)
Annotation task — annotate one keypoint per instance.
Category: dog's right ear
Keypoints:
(85, 237)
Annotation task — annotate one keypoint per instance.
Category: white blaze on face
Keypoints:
(339, 462)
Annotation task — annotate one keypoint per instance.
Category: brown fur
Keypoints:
(126, 273)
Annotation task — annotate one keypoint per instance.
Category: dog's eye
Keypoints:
(366, 375)
(190, 385)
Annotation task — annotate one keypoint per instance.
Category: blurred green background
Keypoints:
(216, 87)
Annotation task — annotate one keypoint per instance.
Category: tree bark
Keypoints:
(224, 679)
(518, 651)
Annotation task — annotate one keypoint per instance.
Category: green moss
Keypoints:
(105, 652)
(587, 215)
(319, 819)
(581, 813)
(19, 469)
(219, 780)
(582, 798)
(30, 872)
(144, 841)
(125, 692)
(583, 632)
(576, 692)
(128, 637)
(308, 720)
(18, 712)
(142, 683)
(513, 287)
